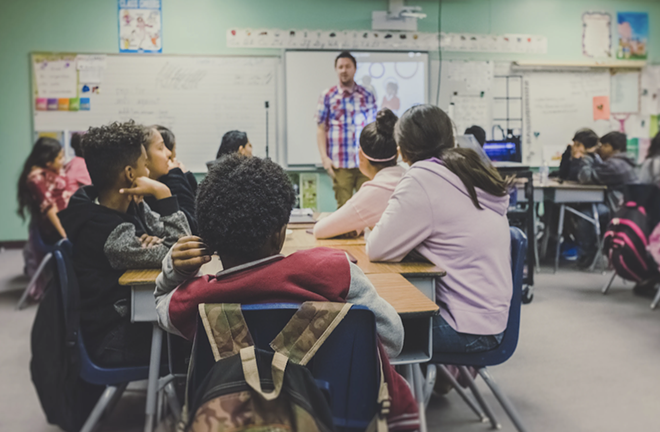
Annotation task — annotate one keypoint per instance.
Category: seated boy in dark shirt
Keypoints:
(112, 230)
(585, 144)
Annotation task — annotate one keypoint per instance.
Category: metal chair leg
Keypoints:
(504, 401)
(418, 377)
(33, 281)
(656, 299)
(429, 382)
(560, 233)
(99, 409)
(477, 395)
(445, 372)
(607, 286)
(173, 401)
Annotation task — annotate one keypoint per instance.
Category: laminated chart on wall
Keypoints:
(556, 104)
(55, 76)
(466, 111)
(140, 26)
(597, 34)
(624, 92)
(650, 90)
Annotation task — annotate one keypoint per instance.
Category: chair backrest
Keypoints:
(507, 347)
(68, 286)
(346, 365)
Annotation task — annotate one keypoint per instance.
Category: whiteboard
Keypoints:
(556, 105)
(198, 98)
(309, 73)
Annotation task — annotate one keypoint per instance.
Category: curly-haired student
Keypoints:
(243, 207)
(113, 230)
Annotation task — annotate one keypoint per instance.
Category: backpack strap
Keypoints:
(225, 328)
(308, 329)
(379, 422)
(251, 372)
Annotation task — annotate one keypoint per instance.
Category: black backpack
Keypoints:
(625, 243)
(65, 398)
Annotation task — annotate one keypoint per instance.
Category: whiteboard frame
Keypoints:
(285, 144)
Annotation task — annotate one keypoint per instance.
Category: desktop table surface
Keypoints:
(394, 288)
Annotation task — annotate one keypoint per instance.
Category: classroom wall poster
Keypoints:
(633, 30)
(597, 34)
(140, 26)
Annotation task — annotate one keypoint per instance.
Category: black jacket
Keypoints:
(105, 244)
(184, 187)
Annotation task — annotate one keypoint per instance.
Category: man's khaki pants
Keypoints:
(345, 182)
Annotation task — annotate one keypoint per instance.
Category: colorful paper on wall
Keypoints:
(601, 107)
(85, 104)
(41, 104)
(56, 78)
(633, 28)
(140, 28)
(74, 104)
(90, 68)
(52, 104)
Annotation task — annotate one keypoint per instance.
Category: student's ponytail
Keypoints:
(377, 140)
(426, 131)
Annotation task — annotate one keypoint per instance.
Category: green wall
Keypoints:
(199, 26)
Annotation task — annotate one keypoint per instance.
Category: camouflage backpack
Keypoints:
(249, 389)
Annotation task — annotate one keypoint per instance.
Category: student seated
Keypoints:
(450, 208)
(244, 206)
(76, 170)
(113, 230)
(170, 142)
(478, 133)
(234, 142)
(650, 170)
(378, 154)
(585, 142)
(609, 166)
(165, 170)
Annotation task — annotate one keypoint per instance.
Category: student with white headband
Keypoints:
(378, 161)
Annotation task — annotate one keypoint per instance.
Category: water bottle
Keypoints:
(544, 171)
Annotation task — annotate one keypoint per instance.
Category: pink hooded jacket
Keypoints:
(431, 211)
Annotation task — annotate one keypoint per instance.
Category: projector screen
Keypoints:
(397, 80)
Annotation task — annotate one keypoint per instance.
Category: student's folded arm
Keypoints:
(124, 250)
(180, 187)
(342, 221)
(588, 173)
(388, 323)
(166, 283)
(405, 224)
(166, 221)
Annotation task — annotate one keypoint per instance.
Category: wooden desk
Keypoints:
(565, 194)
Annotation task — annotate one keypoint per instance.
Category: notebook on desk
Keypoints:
(302, 216)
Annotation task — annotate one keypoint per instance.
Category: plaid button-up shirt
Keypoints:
(345, 113)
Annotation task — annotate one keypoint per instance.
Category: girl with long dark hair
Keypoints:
(451, 208)
(42, 189)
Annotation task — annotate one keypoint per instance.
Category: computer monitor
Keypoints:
(507, 150)
(469, 141)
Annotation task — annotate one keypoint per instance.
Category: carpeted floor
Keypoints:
(585, 362)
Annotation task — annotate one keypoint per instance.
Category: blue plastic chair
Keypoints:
(345, 367)
(505, 349)
(115, 379)
(42, 248)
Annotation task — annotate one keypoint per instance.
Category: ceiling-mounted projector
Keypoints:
(398, 17)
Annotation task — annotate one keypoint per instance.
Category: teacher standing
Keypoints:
(343, 111)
